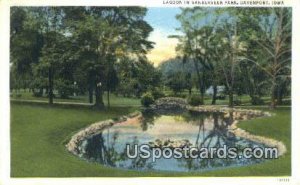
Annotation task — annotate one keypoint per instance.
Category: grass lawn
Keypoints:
(126, 101)
(114, 100)
(39, 131)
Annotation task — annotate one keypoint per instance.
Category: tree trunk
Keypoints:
(91, 100)
(50, 87)
(41, 91)
(273, 97)
(202, 92)
(279, 96)
(108, 100)
(273, 93)
(230, 94)
(199, 80)
(190, 91)
(91, 83)
(214, 97)
(99, 98)
(202, 83)
(281, 90)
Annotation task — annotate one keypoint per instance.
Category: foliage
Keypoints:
(136, 77)
(257, 101)
(245, 49)
(65, 88)
(248, 50)
(176, 65)
(237, 102)
(37, 93)
(195, 100)
(157, 93)
(53, 47)
(176, 82)
(147, 99)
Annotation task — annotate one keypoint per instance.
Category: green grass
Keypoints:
(39, 131)
(114, 100)
(131, 101)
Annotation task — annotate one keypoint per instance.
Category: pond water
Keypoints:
(196, 129)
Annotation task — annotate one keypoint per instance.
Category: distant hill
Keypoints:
(175, 65)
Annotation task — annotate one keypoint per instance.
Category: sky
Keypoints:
(164, 24)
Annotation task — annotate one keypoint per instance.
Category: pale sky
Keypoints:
(164, 24)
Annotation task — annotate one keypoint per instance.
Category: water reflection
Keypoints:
(200, 129)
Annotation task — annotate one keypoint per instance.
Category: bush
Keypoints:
(237, 102)
(18, 95)
(147, 99)
(65, 88)
(195, 100)
(286, 102)
(221, 97)
(37, 93)
(157, 94)
(257, 101)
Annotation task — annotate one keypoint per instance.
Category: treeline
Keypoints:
(103, 49)
(248, 50)
(81, 49)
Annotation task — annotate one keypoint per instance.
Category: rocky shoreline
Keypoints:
(240, 115)
(237, 114)
(233, 113)
(281, 148)
(169, 104)
(95, 128)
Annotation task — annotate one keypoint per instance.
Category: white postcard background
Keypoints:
(5, 109)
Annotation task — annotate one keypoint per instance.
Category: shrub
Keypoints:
(286, 102)
(37, 93)
(221, 97)
(255, 100)
(237, 102)
(195, 100)
(18, 95)
(156, 93)
(65, 88)
(147, 99)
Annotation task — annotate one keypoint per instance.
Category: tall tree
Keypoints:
(198, 26)
(26, 43)
(49, 26)
(273, 38)
(106, 35)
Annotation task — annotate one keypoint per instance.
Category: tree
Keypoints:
(274, 40)
(226, 40)
(234, 48)
(137, 77)
(26, 43)
(106, 35)
(191, 43)
(48, 25)
(53, 48)
(177, 82)
(197, 44)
